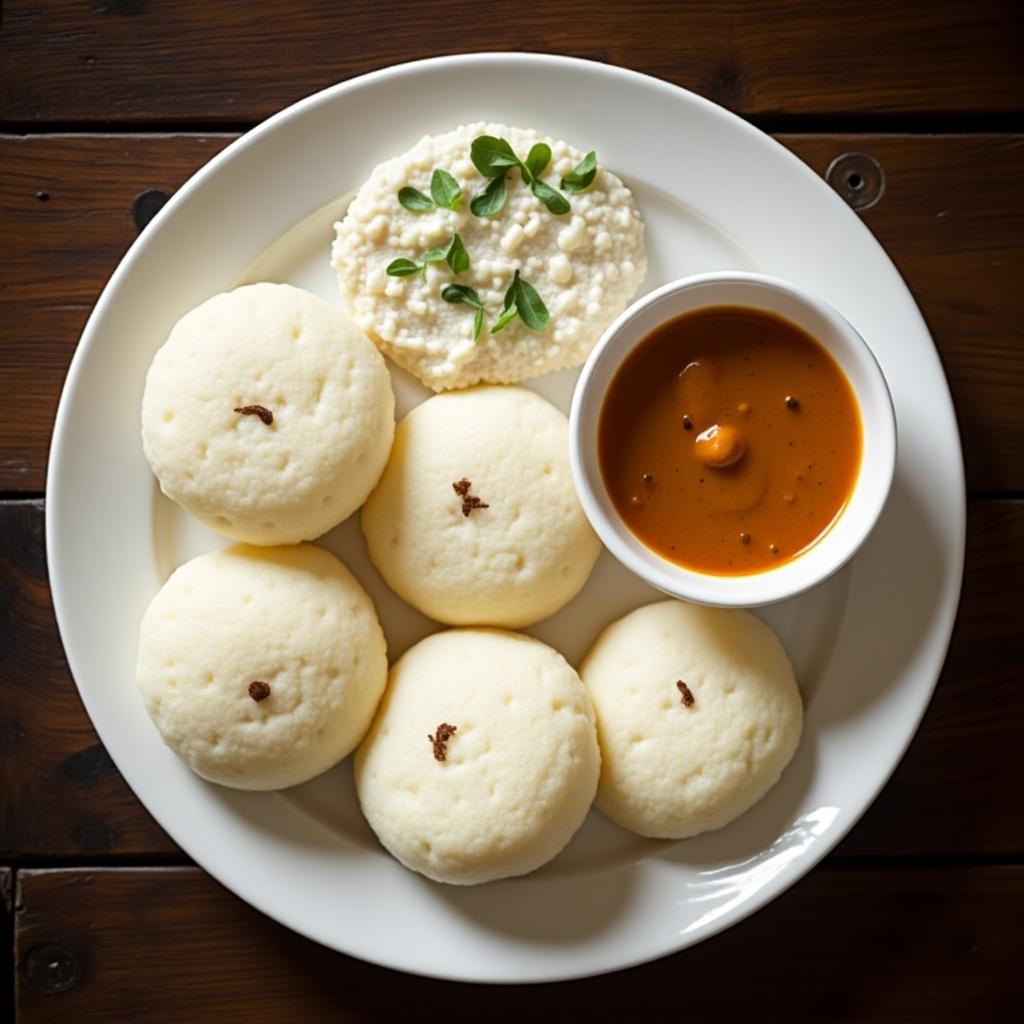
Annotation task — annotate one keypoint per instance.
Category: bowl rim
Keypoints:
(742, 590)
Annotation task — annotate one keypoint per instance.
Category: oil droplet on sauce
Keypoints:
(740, 425)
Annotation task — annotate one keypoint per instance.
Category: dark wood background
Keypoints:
(919, 914)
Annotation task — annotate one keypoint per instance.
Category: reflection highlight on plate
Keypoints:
(749, 877)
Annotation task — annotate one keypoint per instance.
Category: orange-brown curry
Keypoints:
(729, 440)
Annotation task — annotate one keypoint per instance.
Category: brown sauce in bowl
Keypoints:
(729, 440)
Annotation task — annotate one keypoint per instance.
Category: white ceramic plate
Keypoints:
(868, 645)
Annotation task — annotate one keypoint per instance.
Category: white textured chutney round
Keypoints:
(698, 713)
(482, 761)
(268, 414)
(261, 667)
(476, 520)
(586, 264)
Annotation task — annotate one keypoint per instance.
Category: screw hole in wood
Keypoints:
(147, 205)
(858, 178)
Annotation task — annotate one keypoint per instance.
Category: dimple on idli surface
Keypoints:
(681, 760)
(520, 757)
(261, 667)
(586, 264)
(275, 348)
(511, 550)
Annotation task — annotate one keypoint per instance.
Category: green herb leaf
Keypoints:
(538, 159)
(460, 294)
(551, 198)
(532, 310)
(582, 175)
(445, 189)
(491, 156)
(490, 201)
(434, 255)
(403, 268)
(507, 316)
(413, 199)
(510, 291)
(457, 257)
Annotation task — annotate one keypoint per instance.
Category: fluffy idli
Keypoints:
(698, 713)
(585, 263)
(475, 520)
(482, 761)
(268, 414)
(261, 667)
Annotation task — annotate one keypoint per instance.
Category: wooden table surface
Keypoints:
(919, 913)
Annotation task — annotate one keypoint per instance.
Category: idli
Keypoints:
(482, 761)
(476, 520)
(267, 414)
(261, 667)
(698, 713)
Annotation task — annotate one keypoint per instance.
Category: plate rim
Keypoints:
(90, 331)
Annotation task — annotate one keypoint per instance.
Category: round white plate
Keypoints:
(868, 645)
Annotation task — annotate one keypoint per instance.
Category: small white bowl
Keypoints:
(878, 421)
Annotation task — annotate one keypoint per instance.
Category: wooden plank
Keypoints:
(957, 792)
(960, 247)
(64, 236)
(952, 219)
(845, 944)
(61, 242)
(62, 795)
(196, 62)
(6, 943)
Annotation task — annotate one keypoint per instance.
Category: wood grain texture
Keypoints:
(952, 218)
(232, 62)
(958, 790)
(934, 944)
(60, 794)
(63, 236)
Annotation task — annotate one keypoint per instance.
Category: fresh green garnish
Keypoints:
(551, 198)
(444, 192)
(445, 189)
(522, 300)
(532, 310)
(538, 159)
(459, 294)
(454, 254)
(494, 158)
(509, 313)
(403, 268)
(413, 199)
(582, 175)
(490, 201)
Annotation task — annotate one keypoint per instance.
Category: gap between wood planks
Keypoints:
(772, 124)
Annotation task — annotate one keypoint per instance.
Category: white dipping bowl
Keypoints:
(878, 423)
